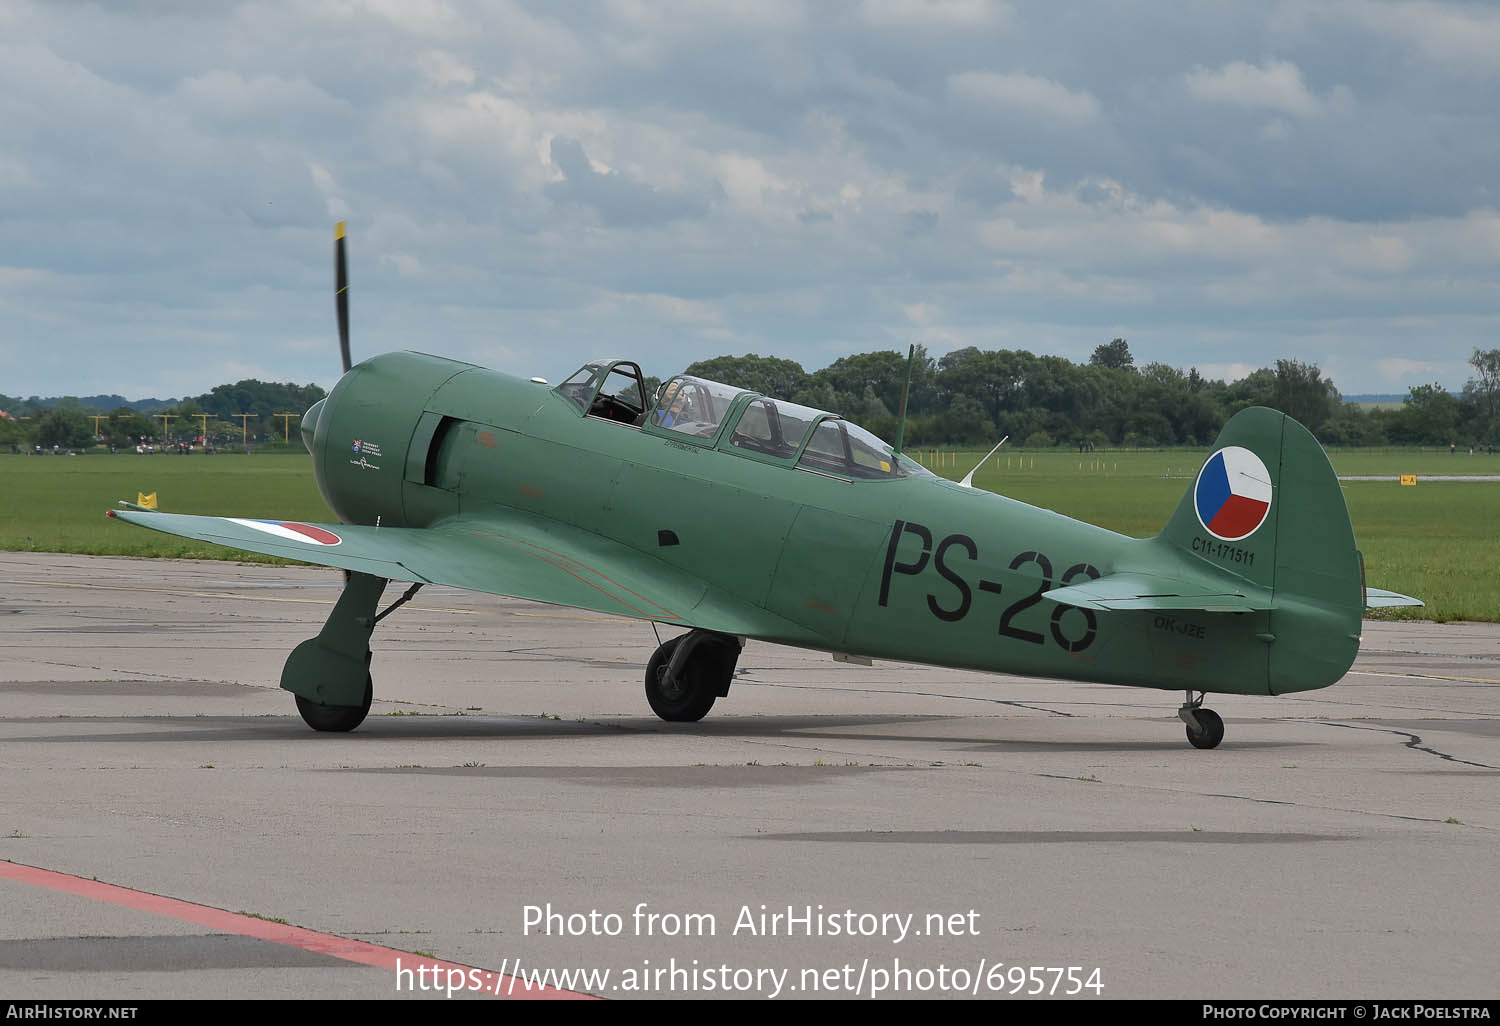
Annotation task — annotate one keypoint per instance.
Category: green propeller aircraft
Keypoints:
(739, 516)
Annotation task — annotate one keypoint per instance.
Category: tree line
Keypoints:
(68, 423)
(966, 397)
(974, 397)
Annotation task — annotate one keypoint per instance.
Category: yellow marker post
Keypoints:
(204, 418)
(287, 433)
(164, 418)
(244, 426)
(1409, 480)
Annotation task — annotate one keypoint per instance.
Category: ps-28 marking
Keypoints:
(939, 555)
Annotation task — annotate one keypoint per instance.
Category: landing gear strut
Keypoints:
(330, 674)
(686, 674)
(1204, 727)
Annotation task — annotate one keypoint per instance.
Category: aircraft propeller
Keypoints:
(341, 292)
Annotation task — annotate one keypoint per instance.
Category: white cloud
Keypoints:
(1389, 254)
(444, 69)
(1276, 86)
(227, 96)
(420, 17)
(803, 179)
(1277, 130)
(1025, 93)
(943, 13)
(25, 277)
(1453, 38)
(675, 308)
(405, 264)
(746, 179)
(333, 203)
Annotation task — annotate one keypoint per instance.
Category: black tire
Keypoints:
(336, 719)
(693, 696)
(1212, 732)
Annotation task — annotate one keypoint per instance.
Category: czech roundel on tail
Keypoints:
(738, 516)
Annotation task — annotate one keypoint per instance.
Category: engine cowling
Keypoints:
(360, 434)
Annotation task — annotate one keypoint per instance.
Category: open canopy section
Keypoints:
(610, 389)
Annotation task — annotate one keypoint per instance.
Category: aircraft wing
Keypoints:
(1126, 590)
(1379, 598)
(502, 553)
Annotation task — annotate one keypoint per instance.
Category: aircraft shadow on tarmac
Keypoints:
(440, 727)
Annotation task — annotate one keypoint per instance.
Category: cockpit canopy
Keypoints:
(732, 419)
(612, 389)
(693, 406)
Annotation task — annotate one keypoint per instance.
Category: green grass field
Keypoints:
(1437, 541)
(57, 503)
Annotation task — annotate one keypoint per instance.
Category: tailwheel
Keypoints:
(336, 719)
(688, 673)
(1205, 729)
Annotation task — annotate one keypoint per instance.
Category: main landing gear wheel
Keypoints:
(1204, 727)
(1212, 732)
(703, 675)
(336, 719)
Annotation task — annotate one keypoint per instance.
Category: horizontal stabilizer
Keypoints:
(1124, 591)
(1379, 598)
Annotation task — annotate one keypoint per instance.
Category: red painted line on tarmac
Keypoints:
(280, 933)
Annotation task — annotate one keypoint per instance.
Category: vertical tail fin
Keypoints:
(1267, 507)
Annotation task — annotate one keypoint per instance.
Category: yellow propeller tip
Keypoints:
(338, 230)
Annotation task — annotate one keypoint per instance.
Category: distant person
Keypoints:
(1452, 448)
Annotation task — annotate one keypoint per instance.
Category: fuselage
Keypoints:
(912, 568)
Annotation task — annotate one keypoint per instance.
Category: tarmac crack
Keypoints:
(1413, 741)
(1323, 808)
(116, 672)
(1271, 801)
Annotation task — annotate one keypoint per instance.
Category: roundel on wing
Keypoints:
(1233, 494)
(288, 530)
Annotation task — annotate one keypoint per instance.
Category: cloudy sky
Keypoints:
(532, 184)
